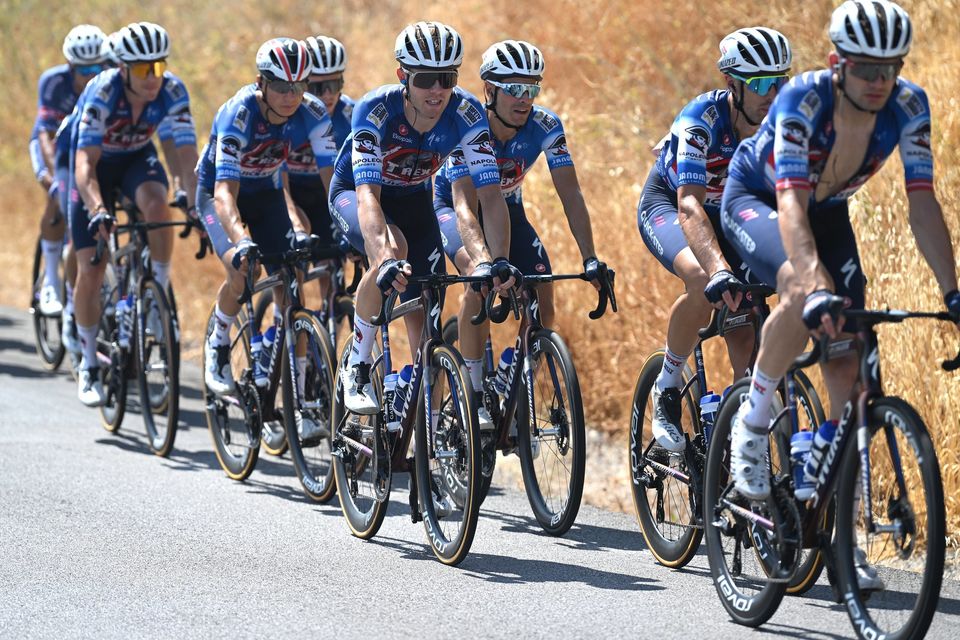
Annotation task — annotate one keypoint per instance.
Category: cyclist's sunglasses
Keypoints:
(761, 85)
(284, 87)
(89, 69)
(871, 71)
(426, 79)
(518, 89)
(322, 87)
(144, 69)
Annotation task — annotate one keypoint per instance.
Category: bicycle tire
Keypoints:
(112, 360)
(555, 504)
(274, 437)
(744, 608)
(872, 615)
(235, 416)
(363, 511)
(313, 461)
(460, 471)
(51, 352)
(159, 398)
(672, 552)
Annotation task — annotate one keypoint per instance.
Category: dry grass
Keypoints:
(617, 73)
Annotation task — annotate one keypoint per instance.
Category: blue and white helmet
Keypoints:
(82, 45)
(429, 45)
(755, 51)
(512, 58)
(875, 28)
(327, 55)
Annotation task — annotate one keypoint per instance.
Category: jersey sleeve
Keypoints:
(693, 130)
(914, 118)
(367, 126)
(455, 167)
(48, 115)
(476, 143)
(231, 129)
(553, 141)
(165, 129)
(797, 110)
(182, 128)
(97, 108)
(320, 132)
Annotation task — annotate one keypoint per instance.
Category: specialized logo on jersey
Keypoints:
(240, 120)
(482, 143)
(793, 131)
(377, 115)
(365, 142)
(559, 147)
(469, 113)
(409, 166)
(698, 138)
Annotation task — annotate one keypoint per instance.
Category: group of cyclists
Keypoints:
(751, 184)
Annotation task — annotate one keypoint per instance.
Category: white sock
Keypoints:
(475, 367)
(161, 273)
(762, 390)
(221, 328)
(301, 375)
(671, 375)
(364, 337)
(68, 307)
(277, 315)
(88, 346)
(51, 261)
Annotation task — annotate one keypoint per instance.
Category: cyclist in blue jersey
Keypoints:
(58, 90)
(381, 196)
(243, 193)
(512, 71)
(785, 207)
(679, 210)
(113, 151)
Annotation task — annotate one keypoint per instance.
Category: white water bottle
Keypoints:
(400, 395)
(266, 356)
(124, 315)
(256, 349)
(389, 390)
(502, 380)
(821, 443)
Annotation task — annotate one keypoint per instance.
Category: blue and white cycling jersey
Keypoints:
(106, 120)
(791, 148)
(542, 133)
(384, 149)
(246, 148)
(702, 142)
(302, 163)
(55, 100)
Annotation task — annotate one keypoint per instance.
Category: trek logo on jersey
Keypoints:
(794, 131)
(481, 143)
(810, 105)
(469, 113)
(410, 166)
(377, 115)
(366, 143)
(265, 156)
(241, 118)
(302, 160)
(511, 173)
(545, 120)
(710, 116)
(910, 103)
(559, 147)
(698, 138)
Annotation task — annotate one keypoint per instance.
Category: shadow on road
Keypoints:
(17, 371)
(17, 345)
(585, 537)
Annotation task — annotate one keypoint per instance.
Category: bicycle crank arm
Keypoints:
(749, 515)
(682, 477)
(359, 446)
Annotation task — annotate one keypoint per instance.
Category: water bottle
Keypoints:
(266, 355)
(502, 380)
(124, 315)
(708, 412)
(256, 350)
(800, 444)
(821, 444)
(389, 392)
(400, 395)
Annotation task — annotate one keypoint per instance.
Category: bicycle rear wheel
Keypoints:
(447, 457)
(46, 329)
(906, 544)
(551, 441)
(274, 438)
(234, 419)
(158, 373)
(312, 458)
(663, 487)
(113, 361)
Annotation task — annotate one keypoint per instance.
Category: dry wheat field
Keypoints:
(617, 73)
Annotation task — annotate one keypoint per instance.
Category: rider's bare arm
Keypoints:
(697, 228)
(225, 202)
(568, 189)
(186, 161)
(85, 173)
(465, 205)
(373, 224)
(47, 149)
(496, 220)
(933, 239)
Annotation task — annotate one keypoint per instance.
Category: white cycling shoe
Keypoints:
(217, 372)
(749, 450)
(666, 419)
(485, 422)
(50, 304)
(89, 389)
(867, 577)
(358, 394)
(308, 428)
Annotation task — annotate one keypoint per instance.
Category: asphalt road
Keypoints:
(101, 539)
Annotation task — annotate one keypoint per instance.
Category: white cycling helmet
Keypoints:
(875, 28)
(82, 45)
(755, 51)
(429, 45)
(107, 48)
(512, 58)
(141, 42)
(284, 59)
(327, 55)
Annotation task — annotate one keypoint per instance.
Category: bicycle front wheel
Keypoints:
(551, 437)
(158, 370)
(112, 360)
(903, 543)
(46, 329)
(447, 455)
(310, 447)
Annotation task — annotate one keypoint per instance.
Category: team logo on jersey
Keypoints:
(457, 159)
(241, 118)
(793, 131)
(175, 90)
(314, 106)
(90, 115)
(410, 166)
(559, 147)
(377, 115)
(481, 143)
(921, 135)
(266, 155)
(302, 159)
(182, 114)
(511, 172)
(103, 95)
(365, 142)
(545, 120)
(810, 105)
(698, 138)
(910, 103)
(230, 146)
(469, 113)
(710, 116)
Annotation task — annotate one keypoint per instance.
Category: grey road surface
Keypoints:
(101, 539)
